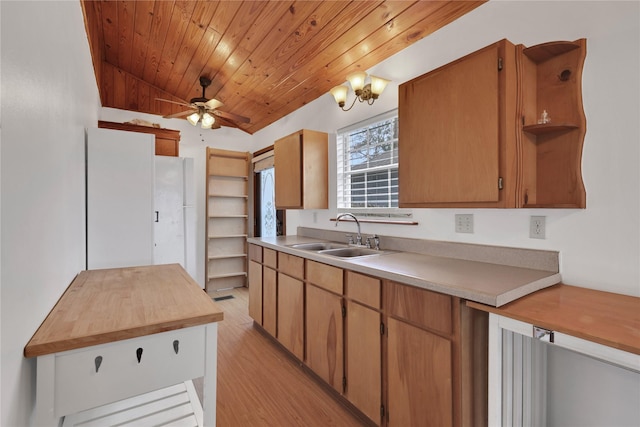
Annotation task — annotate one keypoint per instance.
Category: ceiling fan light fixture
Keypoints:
(193, 118)
(207, 121)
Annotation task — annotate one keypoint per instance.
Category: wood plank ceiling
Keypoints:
(265, 58)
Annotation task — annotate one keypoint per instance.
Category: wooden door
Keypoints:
(420, 376)
(255, 291)
(288, 171)
(450, 133)
(291, 314)
(269, 298)
(363, 359)
(324, 341)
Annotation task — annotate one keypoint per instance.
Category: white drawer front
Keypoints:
(78, 385)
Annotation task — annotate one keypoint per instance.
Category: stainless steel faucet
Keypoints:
(359, 236)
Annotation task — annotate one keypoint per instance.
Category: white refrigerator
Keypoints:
(139, 206)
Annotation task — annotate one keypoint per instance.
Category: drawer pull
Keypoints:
(176, 345)
(139, 354)
(98, 362)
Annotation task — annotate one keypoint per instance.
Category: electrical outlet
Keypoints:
(537, 227)
(464, 223)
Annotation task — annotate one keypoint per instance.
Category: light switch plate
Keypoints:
(464, 223)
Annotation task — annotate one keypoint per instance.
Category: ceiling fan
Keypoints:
(202, 110)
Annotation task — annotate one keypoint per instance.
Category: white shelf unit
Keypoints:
(227, 219)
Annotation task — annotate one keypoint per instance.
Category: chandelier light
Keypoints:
(365, 92)
(205, 119)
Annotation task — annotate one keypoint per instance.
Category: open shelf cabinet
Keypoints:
(227, 219)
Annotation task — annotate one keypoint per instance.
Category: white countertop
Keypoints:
(486, 283)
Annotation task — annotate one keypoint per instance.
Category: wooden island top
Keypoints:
(102, 306)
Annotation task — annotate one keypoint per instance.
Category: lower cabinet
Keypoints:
(363, 359)
(402, 355)
(419, 377)
(325, 336)
(291, 314)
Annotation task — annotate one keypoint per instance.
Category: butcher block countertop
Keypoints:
(485, 282)
(602, 317)
(102, 306)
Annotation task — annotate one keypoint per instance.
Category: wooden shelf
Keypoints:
(243, 178)
(545, 51)
(222, 276)
(227, 256)
(546, 128)
(231, 196)
(227, 219)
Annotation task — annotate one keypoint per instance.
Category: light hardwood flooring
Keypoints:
(260, 385)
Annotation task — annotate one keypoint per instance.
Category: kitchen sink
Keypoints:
(351, 252)
(318, 246)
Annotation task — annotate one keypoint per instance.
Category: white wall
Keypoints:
(49, 97)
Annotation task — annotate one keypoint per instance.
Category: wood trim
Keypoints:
(379, 221)
(167, 140)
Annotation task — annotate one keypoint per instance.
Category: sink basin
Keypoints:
(351, 252)
(318, 246)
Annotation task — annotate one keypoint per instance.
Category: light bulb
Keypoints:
(377, 85)
(357, 80)
(340, 94)
(207, 121)
(193, 118)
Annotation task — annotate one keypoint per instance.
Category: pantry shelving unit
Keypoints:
(227, 219)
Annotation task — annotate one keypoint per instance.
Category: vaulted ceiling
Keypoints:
(265, 59)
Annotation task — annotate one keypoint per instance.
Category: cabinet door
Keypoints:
(450, 127)
(325, 336)
(255, 291)
(291, 314)
(288, 171)
(269, 298)
(419, 377)
(363, 359)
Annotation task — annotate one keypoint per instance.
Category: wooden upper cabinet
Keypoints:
(167, 140)
(470, 135)
(301, 171)
(452, 132)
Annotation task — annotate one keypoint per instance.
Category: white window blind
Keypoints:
(368, 164)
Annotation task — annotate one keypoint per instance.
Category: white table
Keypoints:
(120, 333)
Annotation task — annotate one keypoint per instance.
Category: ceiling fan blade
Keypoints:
(180, 114)
(221, 121)
(231, 116)
(173, 102)
(213, 104)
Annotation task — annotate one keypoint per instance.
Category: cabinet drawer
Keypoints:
(255, 253)
(424, 308)
(79, 385)
(291, 265)
(364, 289)
(270, 258)
(325, 276)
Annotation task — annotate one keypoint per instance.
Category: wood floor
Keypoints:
(260, 385)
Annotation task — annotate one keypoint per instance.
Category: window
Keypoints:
(368, 163)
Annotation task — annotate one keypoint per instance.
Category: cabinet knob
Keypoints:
(139, 354)
(98, 362)
(176, 345)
